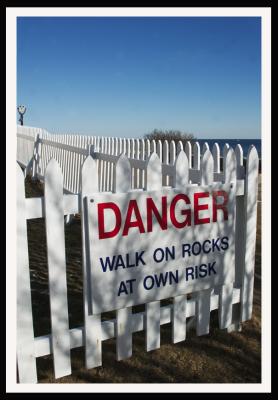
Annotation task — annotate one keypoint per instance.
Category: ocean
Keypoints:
(245, 144)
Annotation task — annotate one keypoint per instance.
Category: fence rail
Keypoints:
(119, 166)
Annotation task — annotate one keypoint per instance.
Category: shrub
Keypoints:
(175, 135)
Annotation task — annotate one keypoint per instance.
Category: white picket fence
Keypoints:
(36, 147)
(135, 169)
(26, 138)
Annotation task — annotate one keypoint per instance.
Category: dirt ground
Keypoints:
(219, 357)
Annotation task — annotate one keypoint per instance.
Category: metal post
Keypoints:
(21, 110)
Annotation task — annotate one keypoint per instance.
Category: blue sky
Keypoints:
(125, 76)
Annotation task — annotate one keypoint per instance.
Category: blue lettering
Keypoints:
(204, 249)
(151, 285)
(170, 253)
(174, 277)
(120, 262)
(189, 272)
(107, 263)
(158, 255)
(122, 289)
(215, 244)
(211, 268)
(186, 249)
(139, 258)
(225, 243)
(203, 270)
(198, 250)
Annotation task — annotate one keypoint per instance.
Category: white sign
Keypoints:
(152, 245)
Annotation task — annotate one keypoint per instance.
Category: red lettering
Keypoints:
(198, 207)
(101, 232)
(186, 212)
(151, 209)
(180, 215)
(222, 206)
(133, 224)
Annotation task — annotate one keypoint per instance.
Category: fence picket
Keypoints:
(225, 152)
(39, 164)
(239, 240)
(36, 156)
(226, 291)
(250, 208)
(196, 156)
(152, 313)
(101, 164)
(79, 158)
(205, 147)
(165, 181)
(85, 145)
(109, 151)
(136, 156)
(159, 149)
(188, 152)
(148, 149)
(123, 146)
(204, 296)
(26, 360)
(92, 323)
(216, 157)
(179, 146)
(172, 158)
(42, 160)
(71, 164)
(104, 180)
(240, 221)
(142, 157)
(55, 149)
(181, 176)
(124, 315)
(59, 152)
(62, 140)
(180, 180)
(74, 163)
(239, 157)
(113, 165)
(55, 235)
(132, 155)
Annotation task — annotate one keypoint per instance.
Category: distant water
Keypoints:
(245, 144)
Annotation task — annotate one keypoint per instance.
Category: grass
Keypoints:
(215, 358)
